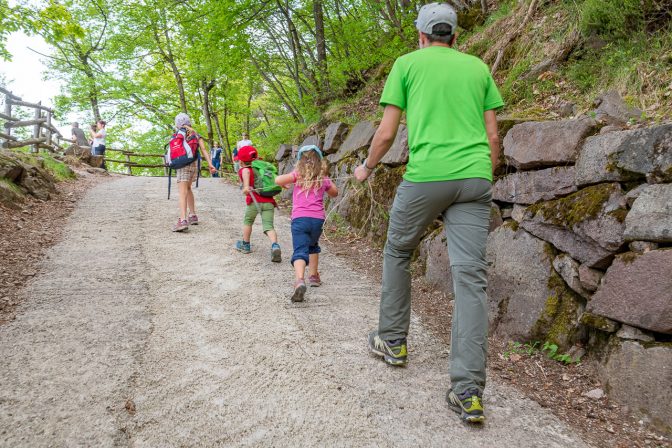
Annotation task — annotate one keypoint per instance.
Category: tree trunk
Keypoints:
(320, 42)
(207, 87)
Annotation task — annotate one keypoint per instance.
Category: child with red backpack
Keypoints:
(258, 202)
(182, 156)
(311, 183)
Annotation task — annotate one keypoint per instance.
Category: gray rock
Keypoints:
(639, 377)
(611, 128)
(529, 187)
(635, 334)
(611, 109)
(10, 167)
(11, 195)
(283, 151)
(527, 300)
(589, 278)
(565, 109)
(594, 394)
(506, 212)
(334, 136)
(569, 271)
(546, 143)
(359, 138)
(633, 194)
(98, 171)
(588, 225)
(651, 215)
(642, 246)
(311, 140)
(286, 166)
(518, 212)
(437, 264)
(37, 182)
(627, 155)
(398, 153)
(637, 290)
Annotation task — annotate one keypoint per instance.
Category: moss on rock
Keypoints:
(578, 207)
(599, 322)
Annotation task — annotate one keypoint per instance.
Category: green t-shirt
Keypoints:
(445, 94)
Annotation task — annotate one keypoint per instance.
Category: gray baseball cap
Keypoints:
(433, 14)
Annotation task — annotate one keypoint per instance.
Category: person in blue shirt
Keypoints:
(216, 156)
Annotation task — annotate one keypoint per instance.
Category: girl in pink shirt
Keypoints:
(310, 185)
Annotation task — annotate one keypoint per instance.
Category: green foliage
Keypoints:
(612, 19)
(531, 349)
(551, 351)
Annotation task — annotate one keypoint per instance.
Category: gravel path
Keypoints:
(134, 336)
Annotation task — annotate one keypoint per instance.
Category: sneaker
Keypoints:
(299, 291)
(193, 220)
(314, 280)
(393, 352)
(469, 405)
(181, 225)
(276, 254)
(243, 246)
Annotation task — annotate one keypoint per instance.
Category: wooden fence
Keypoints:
(129, 164)
(44, 133)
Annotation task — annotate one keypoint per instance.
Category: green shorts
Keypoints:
(267, 214)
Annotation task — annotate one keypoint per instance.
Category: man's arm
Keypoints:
(382, 141)
(493, 137)
(206, 155)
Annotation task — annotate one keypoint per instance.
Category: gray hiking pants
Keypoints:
(465, 206)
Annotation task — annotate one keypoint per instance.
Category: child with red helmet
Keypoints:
(256, 204)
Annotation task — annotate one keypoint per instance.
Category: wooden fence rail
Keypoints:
(44, 133)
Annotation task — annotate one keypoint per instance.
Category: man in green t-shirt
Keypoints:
(450, 100)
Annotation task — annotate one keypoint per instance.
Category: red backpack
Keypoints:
(181, 151)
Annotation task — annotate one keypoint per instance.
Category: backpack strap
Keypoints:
(170, 171)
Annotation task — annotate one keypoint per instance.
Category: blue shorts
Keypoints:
(306, 234)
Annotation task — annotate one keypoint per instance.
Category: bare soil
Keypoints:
(555, 386)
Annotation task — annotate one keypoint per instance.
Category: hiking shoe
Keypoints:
(314, 280)
(469, 405)
(276, 254)
(299, 291)
(181, 225)
(193, 220)
(243, 246)
(393, 352)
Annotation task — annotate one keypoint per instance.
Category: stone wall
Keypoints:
(580, 249)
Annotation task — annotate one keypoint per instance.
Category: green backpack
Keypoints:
(264, 178)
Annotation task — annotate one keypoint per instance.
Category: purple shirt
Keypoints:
(311, 205)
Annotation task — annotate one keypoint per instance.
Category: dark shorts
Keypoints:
(306, 234)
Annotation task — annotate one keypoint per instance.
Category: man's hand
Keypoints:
(362, 173)
(246, 191)
(212, 169)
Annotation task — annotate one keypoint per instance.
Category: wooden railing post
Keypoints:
(128, 167)
(8, 113)
(48, 130)
(36, 128)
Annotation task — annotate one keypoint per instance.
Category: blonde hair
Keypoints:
(309, 172)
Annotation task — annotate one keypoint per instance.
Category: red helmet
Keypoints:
(247, 154)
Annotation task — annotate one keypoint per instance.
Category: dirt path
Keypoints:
(133, 336)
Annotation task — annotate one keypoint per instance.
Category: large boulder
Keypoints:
(651, 215)
(639, 376)
(537, 144)
(398, 153)
(334, 136)
(96, 161)
(37, 182)
(637, 290)
(283, 151)
(588, 224)
(626, 156)
(527, 299)
(286, 166)
(10, 167)
(359, 138)
(568, 269)
(529, 187)
(11, 196)
(311, 140)
(611, 109)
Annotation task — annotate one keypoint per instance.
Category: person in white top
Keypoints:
(98, 144)
(244, 142)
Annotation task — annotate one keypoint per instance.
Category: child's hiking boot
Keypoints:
(276, 254)
(243, 246)
(299, 291)
(181, 225)
(314, 280)
(193, 220)
(468, 404)
(393, 352)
